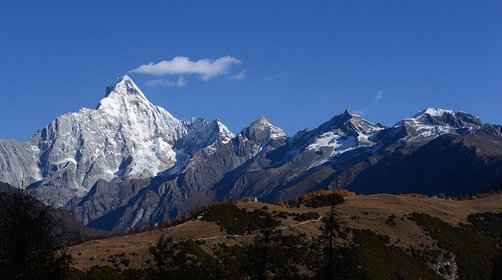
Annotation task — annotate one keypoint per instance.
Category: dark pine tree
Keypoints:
(329, 230)
(336, 262)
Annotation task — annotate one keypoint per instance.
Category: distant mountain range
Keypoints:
(128, 163)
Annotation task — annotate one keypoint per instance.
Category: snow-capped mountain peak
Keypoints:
(350, 123)
(126, 136)
(263, 130)
(224, 134)
(435, 112)
(126, 84)
(349, 113)
(124, 96)
(125, 87)
(442, 116)
(432, 122)
(343, 133)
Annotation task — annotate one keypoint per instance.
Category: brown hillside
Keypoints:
(383, 214)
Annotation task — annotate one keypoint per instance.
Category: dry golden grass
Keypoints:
(135, 246)
(360, 212)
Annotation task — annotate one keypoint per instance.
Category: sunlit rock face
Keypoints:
(126, 136)
(19, 163)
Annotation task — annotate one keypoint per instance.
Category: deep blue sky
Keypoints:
(304, 62)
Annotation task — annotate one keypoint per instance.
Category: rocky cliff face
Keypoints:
(124, 204)
(126, 136)
(128, 163)
(19, 163)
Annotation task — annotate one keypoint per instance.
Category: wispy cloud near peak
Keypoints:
(205, 68)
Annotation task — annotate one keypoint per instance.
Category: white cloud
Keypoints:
(178, 83)
(239, 76)
(379, 95)
(180, 65)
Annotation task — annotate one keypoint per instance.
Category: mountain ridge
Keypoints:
(129, 163)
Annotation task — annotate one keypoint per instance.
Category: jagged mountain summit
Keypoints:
(341, 134)
(126, 136)
(262, 130)
(432, 122)
(128, 163)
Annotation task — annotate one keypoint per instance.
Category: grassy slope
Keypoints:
(359, 212)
